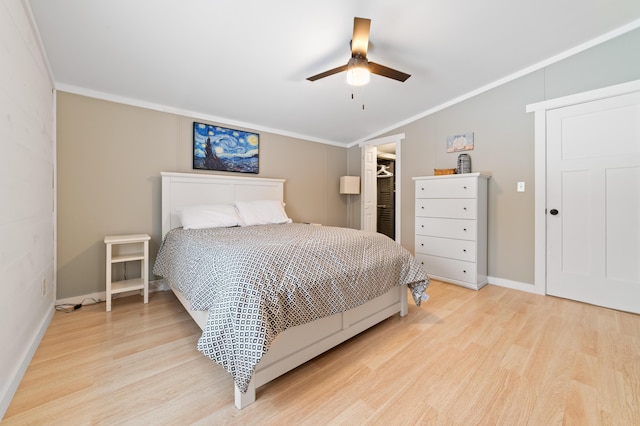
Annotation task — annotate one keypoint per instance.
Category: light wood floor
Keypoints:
(496, 356)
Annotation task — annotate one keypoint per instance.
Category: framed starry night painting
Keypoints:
(227, 150)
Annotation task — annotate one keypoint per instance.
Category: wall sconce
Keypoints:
(350, 185)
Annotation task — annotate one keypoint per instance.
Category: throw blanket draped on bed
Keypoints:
(257, 281)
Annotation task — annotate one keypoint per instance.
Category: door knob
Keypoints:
(553, 212)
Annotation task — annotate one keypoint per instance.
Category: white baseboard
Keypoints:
(516, 285)
(155, 285)
(12, 383)
(99, 296)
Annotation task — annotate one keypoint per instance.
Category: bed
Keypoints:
(258, 337)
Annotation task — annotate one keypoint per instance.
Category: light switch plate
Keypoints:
(520, 186)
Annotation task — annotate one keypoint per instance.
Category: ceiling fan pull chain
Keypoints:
(360, 93)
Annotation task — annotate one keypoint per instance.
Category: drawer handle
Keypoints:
(464, 187)
(464, 270)
(422, 207)
(464, 250)
(422, 244)
(464, 208)
(421, 226)
(464, 229)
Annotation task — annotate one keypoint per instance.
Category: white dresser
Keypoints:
(451, 228)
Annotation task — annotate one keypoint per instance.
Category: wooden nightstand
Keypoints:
(127, 248)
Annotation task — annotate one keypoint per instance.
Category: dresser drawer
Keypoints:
(445, 247)
(447, 188)
(442, 267)
(461, 229)
(459, 208)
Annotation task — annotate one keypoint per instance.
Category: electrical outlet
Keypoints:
(44, 286)
(520, 186)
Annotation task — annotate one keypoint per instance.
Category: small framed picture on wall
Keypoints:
(458, 143)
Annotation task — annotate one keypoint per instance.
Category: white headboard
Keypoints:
(180, 190)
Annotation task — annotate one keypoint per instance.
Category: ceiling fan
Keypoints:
(359, 67)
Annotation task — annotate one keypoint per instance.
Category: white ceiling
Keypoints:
(244, 62)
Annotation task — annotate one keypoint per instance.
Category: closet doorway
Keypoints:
(386, 190)
(381, 186)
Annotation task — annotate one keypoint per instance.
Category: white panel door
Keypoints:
(369, 188)
(593, 202)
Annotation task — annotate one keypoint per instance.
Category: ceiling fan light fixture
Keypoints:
(358, 73)
(359, 69)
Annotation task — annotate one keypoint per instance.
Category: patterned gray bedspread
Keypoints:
(257, 281)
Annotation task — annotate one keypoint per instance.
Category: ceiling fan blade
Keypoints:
(327, 73)
(360, 39)
(387, 72)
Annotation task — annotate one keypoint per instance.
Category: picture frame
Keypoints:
(226, 150)
(457, 143)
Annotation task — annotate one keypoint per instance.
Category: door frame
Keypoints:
(540, 157)
(397, 139)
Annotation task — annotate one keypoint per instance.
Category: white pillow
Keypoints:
(210, 216)
(262, 212)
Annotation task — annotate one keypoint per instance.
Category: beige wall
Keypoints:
(503, 135)
(504, 147)
(109, 161)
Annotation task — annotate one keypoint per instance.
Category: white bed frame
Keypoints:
(294, 346)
